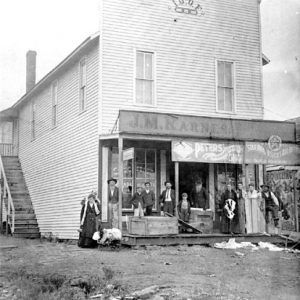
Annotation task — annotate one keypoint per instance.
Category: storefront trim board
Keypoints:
(158, 124)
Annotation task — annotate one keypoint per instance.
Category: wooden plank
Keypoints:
(187, 225)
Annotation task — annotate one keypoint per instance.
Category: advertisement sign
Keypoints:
(272, 153)
(208, 151)
(282, 184)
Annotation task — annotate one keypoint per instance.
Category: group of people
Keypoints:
(241, 210)
(247, 212)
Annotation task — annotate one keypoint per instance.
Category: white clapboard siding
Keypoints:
(186, 47)
(61, 164)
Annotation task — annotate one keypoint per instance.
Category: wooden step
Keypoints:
(26, 222)
(21, 216)
(27, 235)
(26, 230)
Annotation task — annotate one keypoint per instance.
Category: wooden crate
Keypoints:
(202, 220)
(152, 225)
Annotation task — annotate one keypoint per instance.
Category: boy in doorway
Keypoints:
(184, 208)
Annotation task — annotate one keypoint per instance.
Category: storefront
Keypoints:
(154, 147)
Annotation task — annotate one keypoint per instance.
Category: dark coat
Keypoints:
(226, 224)
(239, 220)
(200, 199)
(179, 206)
(115, 197)
(149, 199)
(162, 197)
(89, 226)
(136, 199)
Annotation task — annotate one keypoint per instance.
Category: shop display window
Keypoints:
(136, 172)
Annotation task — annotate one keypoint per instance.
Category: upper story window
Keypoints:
(82, 85)
(33, 121)
(144, 80)
(225, 85)
(54, 89)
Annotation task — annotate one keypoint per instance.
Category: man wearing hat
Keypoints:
(167, 199)
(113, 203)
(271, 203)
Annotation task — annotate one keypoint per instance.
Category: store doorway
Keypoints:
(190, 173)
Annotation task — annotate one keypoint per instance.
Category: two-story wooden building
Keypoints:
(167, 90)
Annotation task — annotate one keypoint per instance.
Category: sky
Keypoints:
(54, 28)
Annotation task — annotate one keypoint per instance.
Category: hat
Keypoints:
(251, 184)
(266, 185)
(91, 196)
(111, 179)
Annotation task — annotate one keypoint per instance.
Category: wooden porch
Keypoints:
(197, 239)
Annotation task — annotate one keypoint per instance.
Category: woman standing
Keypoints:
(240, 218)
(228, 203)
(88, 221)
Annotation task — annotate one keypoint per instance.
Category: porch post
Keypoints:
(296, 197)
(120, 146)
(176, 186)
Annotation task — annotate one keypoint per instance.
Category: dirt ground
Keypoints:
(44, 270)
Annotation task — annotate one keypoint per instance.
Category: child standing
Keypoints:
(184, 208)
(138, 203)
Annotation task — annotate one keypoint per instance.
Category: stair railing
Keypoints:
(10, 209)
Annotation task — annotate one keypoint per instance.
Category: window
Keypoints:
(82, 84)
(136, 172)
(33, 120)
(144, 81)
(225, 86)
(54, 89)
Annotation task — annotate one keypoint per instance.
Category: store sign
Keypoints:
(272, 153)
(128, 154)
(203, 127)
(208, 151)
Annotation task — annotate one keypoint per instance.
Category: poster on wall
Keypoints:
(282, 184)
(268, 154)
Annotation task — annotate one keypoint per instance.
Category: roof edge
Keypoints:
(56, 69)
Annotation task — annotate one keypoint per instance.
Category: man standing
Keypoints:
(149, 199)
(271, 203)
(167, 199)
(113, 203)
(199, 196)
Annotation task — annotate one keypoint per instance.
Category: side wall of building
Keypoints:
(186, 48)
(61, 164)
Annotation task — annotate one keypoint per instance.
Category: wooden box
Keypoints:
(202, 220)
(152, 225)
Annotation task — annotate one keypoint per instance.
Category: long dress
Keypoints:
(254, 220)
(227, 225)
(89, 226)
(239, 220)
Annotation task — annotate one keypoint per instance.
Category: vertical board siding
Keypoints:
(61, 165)
(186, 47)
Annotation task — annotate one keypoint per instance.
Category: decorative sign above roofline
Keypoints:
(191, 7)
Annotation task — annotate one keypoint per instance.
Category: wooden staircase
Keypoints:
(26, 225)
